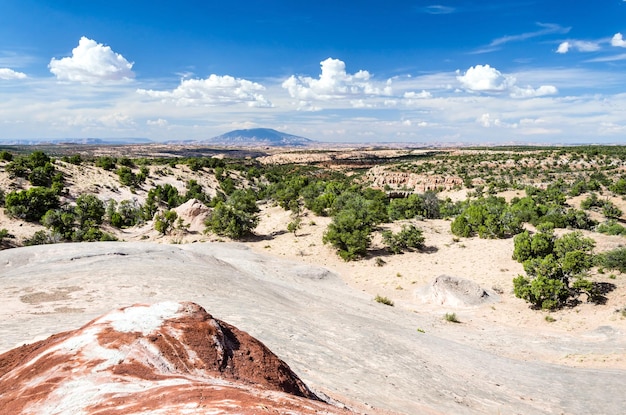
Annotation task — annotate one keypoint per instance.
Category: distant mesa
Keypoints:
(169, 357)
(260, 137)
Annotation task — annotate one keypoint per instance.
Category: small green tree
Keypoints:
(236, 217)
(351, 227)
(349, 234)
(128, 213)
(42, 175)
(61, 222)
(89, 210)
(556, 268)
(164, 221)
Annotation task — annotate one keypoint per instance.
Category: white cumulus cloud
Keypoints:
(334, 83)
(7, 74)
(487, 79)
(484, 78)
(92, 62)
(212, 91)
(618, 40)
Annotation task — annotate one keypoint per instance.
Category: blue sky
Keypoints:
(353, 71)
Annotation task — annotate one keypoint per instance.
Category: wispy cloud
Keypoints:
(546, 29)
(437, 9)
(12, 59)
(613, 58)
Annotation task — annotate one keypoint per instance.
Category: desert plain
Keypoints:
(317, 312)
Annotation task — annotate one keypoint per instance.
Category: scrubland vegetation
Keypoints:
(574, 189)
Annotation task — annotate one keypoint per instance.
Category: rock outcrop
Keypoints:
(381, 178)
(193, 213)
(455, 292)
(166, 358)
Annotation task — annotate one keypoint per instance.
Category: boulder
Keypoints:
(193, 213)
(455, 292)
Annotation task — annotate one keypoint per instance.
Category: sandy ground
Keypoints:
(486, 262)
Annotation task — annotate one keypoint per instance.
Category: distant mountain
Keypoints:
(85, 141)
(260, 137)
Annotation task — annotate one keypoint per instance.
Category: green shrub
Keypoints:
(488, 217)
(75, 159)
(128, 178)
(383, 300)
(591, 201)
(166, 195)
(614, 259)
(611, 227)
(426, 205)
(128, 213)
(61, 222)
(354, 215)
(451, 317)
(106, 162)
(6, 156)
(236, 217)
(31, 204)
(556, 269)
(619, 187)
(610, 211)
(195, 191)
(89, 210)
(37, 167)
(410, 237)
(43, 238)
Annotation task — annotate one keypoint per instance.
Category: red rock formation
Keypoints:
(167, 358)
